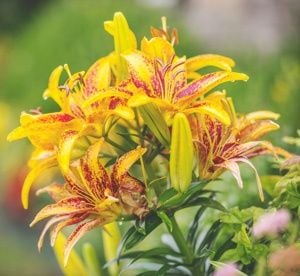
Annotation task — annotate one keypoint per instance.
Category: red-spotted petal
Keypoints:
(77, 234)
(55, 190)
(44, 130)
(68, 221)
(67, 206)
(141, 70)
(46, 228)
(95, 177)
(97, 77)
(124, 163)
(207, 82)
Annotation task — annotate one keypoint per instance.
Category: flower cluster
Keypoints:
(147, 106)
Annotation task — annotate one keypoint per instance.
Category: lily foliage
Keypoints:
(138, 137)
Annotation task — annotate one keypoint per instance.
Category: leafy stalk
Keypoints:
(181, 242)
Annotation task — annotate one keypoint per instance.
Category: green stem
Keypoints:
(180, 241)
(108, 140)
(261, 267)
(295, 233)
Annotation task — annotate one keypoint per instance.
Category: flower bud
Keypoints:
(124, 40)
(181, 155)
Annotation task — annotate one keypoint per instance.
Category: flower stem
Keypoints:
(180, 241)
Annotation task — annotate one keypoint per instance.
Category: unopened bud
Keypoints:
(181, 155)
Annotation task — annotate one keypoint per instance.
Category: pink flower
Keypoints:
(229, 269)
(271, 223)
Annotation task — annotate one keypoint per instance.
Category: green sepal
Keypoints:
(154, 119)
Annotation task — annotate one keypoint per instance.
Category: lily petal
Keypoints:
(46, 228)
(65, 147)
(124, 163)
(44, 130)
(138, 100)
(95, 176)
(124, 112)
(77, 234)
(212, 110)
(207, 82)
(256, 129)
(141, 70)
(32, 175)
(70, 221)
(158, 47)
(53, 90)
(233, 167)
(258, 182)
(201, 61)
(56, 191)
(262, 115)
(109, 93)
(67, 206)
(97, 77)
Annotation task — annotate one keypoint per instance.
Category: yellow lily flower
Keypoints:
(92, 197)
(64, 135)
(160, 77)
(220, 147)
(155, 74)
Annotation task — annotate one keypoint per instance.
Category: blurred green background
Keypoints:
(38, 35)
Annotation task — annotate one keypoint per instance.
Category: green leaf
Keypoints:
(194, 226)
(155, 253)
(166, 195)
(162, 271)
(259, 251)
(227, 244)
(210, 237)
(171, 198)
(159, 185)
(147, 273)
(206, 202)
(230, 255)
(236, 216)
(133, 236)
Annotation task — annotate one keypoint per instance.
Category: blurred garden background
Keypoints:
(263, 37)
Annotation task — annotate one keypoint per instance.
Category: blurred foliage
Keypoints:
(39, 35)
(15, 12)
